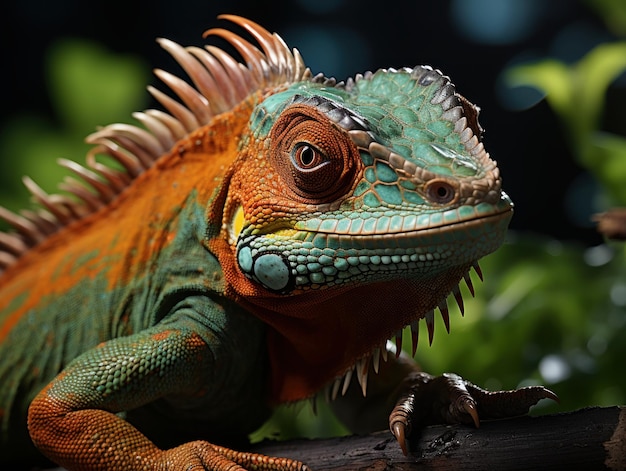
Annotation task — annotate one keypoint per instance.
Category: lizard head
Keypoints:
(363, 204)
(381, 178)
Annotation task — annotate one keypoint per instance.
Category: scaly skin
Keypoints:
(264, 240)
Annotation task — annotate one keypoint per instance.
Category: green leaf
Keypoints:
(608, 162)
(613, 13)
(593, 74)
(575, 93)
(90, 85)
(549, 76)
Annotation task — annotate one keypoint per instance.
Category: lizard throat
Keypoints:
(343, 333)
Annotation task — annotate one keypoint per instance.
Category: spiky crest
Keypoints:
(220, 82)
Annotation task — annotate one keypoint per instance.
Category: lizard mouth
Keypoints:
(393, 345)
(330, 255)
(410, 225)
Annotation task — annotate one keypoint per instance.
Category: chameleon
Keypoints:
(264, 238)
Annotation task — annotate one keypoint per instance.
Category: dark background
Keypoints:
(472, 41)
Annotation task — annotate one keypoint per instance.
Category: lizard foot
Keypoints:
(451, 399)
(202, 455)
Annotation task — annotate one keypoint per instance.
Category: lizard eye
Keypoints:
(306, 157)
(316, 160)
(312, 171)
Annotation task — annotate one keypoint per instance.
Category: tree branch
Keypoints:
(593, 438)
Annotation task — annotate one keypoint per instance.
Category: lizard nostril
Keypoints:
(441, 191)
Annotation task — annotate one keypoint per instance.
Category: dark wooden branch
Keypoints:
(589, 439)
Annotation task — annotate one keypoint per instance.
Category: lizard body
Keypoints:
(263, 241)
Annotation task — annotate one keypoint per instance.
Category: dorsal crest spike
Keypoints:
(218, 83)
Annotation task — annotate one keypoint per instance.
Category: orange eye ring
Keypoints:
(316, 159)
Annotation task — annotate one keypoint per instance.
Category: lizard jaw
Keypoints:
(361, 367)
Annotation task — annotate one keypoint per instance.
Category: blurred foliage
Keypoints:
(88, 86)
(548, 312)
(612, 12)
(576, 94)
(567, 303)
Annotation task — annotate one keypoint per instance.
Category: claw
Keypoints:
(398, 430)
(451, 399)
(501, 404)
(550, 395)
(470, 408)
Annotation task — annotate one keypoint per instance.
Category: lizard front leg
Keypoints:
(427, 399)
(73, 420)
(407, 399)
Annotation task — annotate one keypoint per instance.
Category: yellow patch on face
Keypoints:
(236, 224)
(290, 233)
